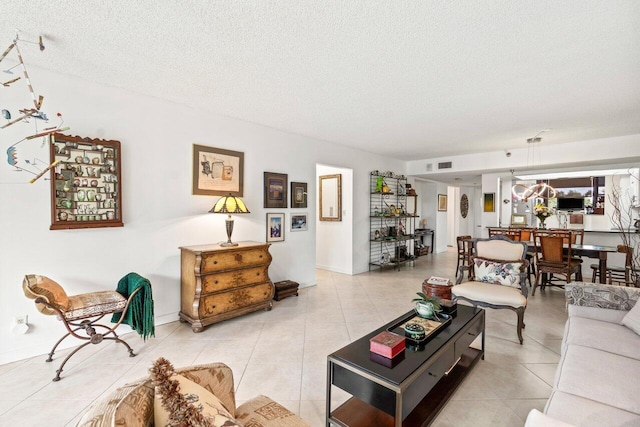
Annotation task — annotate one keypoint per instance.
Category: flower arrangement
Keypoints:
(542, 212)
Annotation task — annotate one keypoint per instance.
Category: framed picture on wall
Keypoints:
(298, 194)
(488, 202)
(275, 190)
(275, 227)
(299, 222)
(442, 202)
(217, 172)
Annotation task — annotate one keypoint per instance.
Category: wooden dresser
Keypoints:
(219, 283)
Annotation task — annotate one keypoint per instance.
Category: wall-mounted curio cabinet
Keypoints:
(85, 183)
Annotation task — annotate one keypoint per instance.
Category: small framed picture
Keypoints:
(275, 190)
(298, 194)
(299, 222)
(489, 202)
(275, 227)
(442, 202)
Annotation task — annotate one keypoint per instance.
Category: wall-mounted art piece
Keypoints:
(442, 202)
(275, 190)
(298, 194)
(299, 222)
(275, 227)
(217, 172)
(86, 183)
(464, 206)
(489, 202)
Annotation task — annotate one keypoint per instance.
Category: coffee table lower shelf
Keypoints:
(356, 413)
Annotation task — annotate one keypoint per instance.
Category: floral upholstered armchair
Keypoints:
(499, 277)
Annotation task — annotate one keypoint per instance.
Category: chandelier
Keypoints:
(539, 190)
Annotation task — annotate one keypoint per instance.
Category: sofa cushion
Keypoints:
(632, 319)
(600, 376)
(185, 402)
(538, 419)
(114, 409)
(505, 273)
(204, 401)
(490, 293)
(605, 314)
(603, 296)
(264, 412)
(587, 413)
(604, 336)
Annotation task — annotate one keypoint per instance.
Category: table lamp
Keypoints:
(229, 205)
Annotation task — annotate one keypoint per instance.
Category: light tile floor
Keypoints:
(282, 353)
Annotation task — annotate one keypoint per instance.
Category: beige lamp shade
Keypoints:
(229, 205)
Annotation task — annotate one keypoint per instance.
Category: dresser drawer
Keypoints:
(224, 260)
(468, 337)
(216, 304)
(216, 282)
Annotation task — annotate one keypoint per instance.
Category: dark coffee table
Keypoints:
(414, 390)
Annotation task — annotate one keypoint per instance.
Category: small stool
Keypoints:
(285, 289)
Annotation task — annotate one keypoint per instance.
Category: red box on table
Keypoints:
(387, 344)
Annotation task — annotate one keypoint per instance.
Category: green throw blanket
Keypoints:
(139, 314)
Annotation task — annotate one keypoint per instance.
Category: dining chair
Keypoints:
(553, 257)
(464, 252)
(616, 273)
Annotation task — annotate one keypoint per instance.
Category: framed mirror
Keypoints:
(331, 197)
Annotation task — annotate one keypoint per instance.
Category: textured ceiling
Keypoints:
(410, 79)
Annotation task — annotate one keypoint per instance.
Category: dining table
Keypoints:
(598, 252)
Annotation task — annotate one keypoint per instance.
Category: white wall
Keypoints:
(334, 239)
(160, 213)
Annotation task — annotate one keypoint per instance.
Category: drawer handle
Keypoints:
(216, 282)
(472, 334)
(257, 274)
(433, 375)
(260, 256)
(215, 262)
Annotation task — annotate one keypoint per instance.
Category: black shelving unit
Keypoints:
(392, 228)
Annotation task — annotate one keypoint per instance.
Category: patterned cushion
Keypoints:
(206, 403)
(264, 412)
(35, 286)
(505, 273)
(601, 296)
(94, 303)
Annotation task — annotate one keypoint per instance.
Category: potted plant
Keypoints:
(426, 306)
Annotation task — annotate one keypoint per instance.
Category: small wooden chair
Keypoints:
(464, 251)
(616, 273)
(553, 258)
(79, 313)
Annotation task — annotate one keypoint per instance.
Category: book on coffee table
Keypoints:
(387, 344)
(439, 281)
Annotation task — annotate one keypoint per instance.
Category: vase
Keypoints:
(542, 225)
(424, 309)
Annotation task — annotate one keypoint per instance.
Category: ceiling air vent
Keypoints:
(444, 165)
(429, 167)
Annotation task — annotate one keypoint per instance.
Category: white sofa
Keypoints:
(597, 382)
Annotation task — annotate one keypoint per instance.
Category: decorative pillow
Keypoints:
(51, 291)
(632, 319)
(505, 273)
(179, 401)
